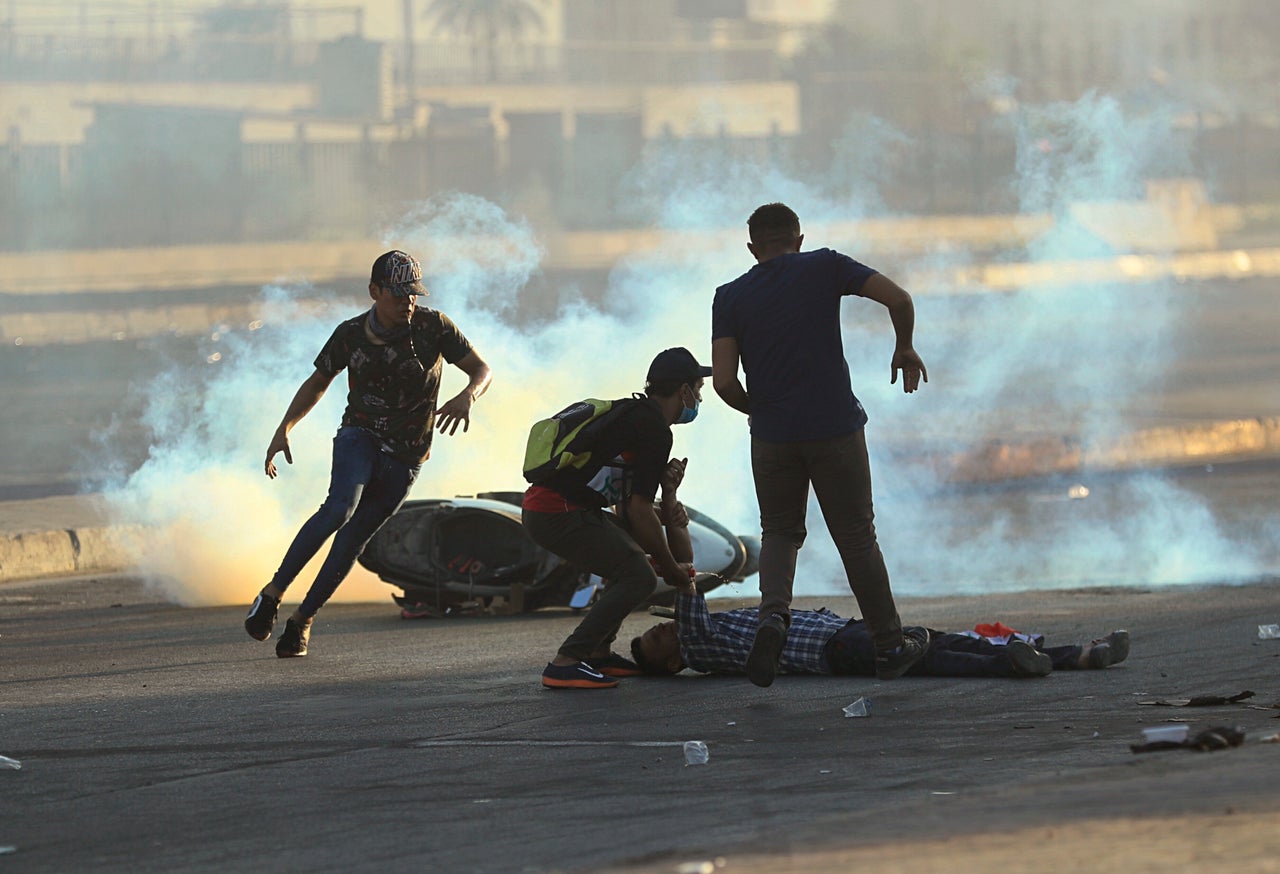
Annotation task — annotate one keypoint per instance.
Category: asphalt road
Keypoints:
(156, 738)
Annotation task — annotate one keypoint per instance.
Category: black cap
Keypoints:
(676, 364)
(398, 271)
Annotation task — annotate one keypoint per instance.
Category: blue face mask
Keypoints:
(688, 414)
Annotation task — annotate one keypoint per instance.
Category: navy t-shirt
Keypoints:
(785, 315)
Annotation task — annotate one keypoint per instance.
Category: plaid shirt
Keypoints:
(719, 642)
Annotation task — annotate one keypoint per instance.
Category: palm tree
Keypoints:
(487, 21)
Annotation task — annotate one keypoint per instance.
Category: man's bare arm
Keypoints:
(724, 374)
(674, 517)
(458, 408)
(647, 531)
(304, 400)
(902, 312)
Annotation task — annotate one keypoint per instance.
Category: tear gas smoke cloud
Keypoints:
(1060, 361)
(1075, 361)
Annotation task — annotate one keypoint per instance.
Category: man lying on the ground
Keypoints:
(821, 642)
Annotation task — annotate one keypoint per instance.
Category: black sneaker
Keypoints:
(293, 642)
(262, 616)
(1027, 661)
(578, 675)
(893, 663)
(1110, 650)
(762, 661)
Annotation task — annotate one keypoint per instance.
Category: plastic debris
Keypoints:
(1270, 739)
(1172, 733)
(695, 752)
(706, 867)
(1220, 738)
(583, 597)
(1077, 492)
(6, 762)
(859, 707)
(1198, 701)
(1269, 632)
(4, 851)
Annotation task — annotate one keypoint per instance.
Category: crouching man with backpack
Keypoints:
(592, 455)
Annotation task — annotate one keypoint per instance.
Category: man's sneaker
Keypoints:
(762, 661)
(262, 616)
(1110, 650)
(893, 663)
(293, 642)
(614, 665)
(578, 675)
(1026, 660)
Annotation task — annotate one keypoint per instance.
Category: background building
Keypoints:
(178, 121)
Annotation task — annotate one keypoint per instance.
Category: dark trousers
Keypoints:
(841, 478)
(959, 655)
(596, 542)
(850, 652)
(366, 486)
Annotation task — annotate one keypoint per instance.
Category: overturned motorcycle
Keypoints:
(453, 556)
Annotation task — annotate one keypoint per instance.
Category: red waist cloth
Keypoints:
(541, 499)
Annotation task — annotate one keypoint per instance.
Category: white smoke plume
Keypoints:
(1065, 360)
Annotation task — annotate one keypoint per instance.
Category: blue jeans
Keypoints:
(366, 486)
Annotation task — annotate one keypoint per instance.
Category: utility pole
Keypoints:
(410, 67)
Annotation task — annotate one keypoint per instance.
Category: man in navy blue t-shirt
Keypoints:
(781, 321)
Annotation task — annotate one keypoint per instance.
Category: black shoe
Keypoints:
(293, 642)
(893, 663)
(762, 661)
(262, 616)
(1110, 650)
(1027, 661)
(579, 675)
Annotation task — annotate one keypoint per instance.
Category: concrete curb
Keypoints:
(68, 551)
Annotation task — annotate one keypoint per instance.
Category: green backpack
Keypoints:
(565, 441)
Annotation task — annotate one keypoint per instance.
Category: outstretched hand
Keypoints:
(279, 443)
(456, 410)
(912, 367)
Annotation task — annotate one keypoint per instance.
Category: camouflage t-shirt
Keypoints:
(392, 389)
